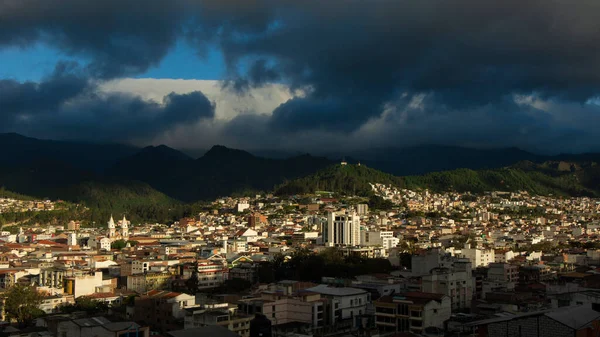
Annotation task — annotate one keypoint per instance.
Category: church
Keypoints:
(113, 234)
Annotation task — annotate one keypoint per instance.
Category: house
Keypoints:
(411, 312)
(342, 305)
(99, 327)
(567, 321)
(162, 310)
(209, 330)
(221, 314)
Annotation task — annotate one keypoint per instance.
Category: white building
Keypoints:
(455, 282)
(343, 229)
(104, 243)
(112, 229)
(345, 303)
(242, 206)
(478, 257)
(124, 228)
(83, 284)
(72, 239)
(362, 209)
(378, 238)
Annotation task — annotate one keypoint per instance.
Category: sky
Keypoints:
(304, 75)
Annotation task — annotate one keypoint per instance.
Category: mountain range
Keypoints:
(116, 173)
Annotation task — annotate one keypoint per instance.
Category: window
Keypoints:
(435, 311)
(403, 309)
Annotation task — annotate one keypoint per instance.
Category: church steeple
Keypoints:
(124, 228)
(111, 227)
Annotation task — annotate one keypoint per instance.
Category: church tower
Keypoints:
(111, 227)
(124, 228)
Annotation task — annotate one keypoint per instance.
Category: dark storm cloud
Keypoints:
(97, 116)
(468, 53)
(351, 58)
(20, 101)
(120, 38)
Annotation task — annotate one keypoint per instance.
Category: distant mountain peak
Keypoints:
(161, 152)
(220, 151)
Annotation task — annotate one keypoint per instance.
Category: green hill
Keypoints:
(556, 178)
(504, 179)
(346, 179)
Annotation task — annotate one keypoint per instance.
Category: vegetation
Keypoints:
(120, 244)
(344, 179)
(87, 304)
(537, 179)
(305, 265)
(22, 303)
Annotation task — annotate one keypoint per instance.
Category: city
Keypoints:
(298, 168)
(433, 263)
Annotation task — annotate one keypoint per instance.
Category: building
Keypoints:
(567, 321)
(455, 282)
(384, 239)
(148, 281)
(342, 305)
(112, 229)
(362, 209)
(99, 327)
(343, 229)
(209, 330)
(411, 312)
(503, 272)
(242, 206)
(162, 310)
(73, 226)
(81, 285)
(210, 274)
(478, 257)
(218, 314)
(286, 304)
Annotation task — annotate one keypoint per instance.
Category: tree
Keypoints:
(22, 303)
(118, 244)
(87, 304)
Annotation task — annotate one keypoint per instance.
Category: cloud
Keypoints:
(228, 103)
(349, 73)
(82, 112)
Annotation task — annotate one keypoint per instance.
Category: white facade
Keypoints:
(242, 206)
(83, 285)
(104, 243)
(457, 283)
(112, 231)
(125, 228)
(479, 257)
(343, 229)
(347, 302)
(72, 239)
(377, 238)
(362, 209)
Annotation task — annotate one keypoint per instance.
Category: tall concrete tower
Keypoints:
(343, 229)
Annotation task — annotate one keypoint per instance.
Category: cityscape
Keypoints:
(270, 168)
(319, 265)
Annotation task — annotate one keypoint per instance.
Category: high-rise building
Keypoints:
(362, 209)
(343, 229)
